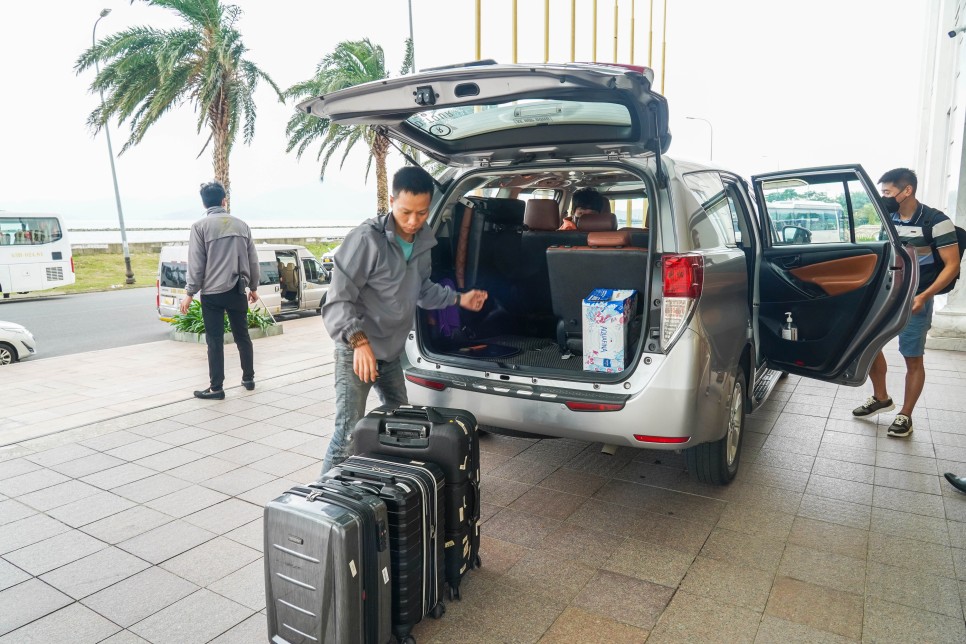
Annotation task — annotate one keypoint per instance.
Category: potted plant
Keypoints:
(190, 326)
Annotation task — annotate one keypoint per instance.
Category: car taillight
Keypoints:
(157, 293)
(426, 382)
(72, 264)
(574, 405)
(662, 439)
(683, 279)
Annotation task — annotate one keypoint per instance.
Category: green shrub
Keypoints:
(193, 322)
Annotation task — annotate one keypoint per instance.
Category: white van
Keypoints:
(291, 279)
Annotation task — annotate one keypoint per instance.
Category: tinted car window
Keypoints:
(267, 273)
(713, 221)
(173, 274)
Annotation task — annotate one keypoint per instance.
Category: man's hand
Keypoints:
(364, 363)
(917, 303)
(473, 300)
(252, 297)
(185, 304)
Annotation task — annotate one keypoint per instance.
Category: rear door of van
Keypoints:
(268, 287)
(313, 281)
(172, 277)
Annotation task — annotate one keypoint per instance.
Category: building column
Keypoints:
(949, 323)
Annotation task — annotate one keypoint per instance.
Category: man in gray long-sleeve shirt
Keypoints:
(222, 262)
(381, 275)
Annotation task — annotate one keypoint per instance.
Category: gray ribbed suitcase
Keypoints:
(327, 567)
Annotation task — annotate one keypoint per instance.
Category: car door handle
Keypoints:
(789, 262)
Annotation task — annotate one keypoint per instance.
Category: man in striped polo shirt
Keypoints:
(931, 233)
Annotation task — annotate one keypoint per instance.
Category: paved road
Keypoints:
(75, 323)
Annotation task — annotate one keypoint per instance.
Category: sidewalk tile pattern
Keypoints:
(138, 519)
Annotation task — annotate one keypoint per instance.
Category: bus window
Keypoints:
(267, 273)
(813, 213)
(29, 231)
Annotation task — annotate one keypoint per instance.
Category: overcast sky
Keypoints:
(785, 83)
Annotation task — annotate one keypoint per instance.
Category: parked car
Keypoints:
(328, 258)
(16, 343)
(290, 279)
(715, 282)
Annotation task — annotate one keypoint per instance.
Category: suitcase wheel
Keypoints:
(438, 610)
(477, 563)
(409, 639)
(454, 593)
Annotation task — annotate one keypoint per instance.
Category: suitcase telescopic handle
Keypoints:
(369, 475)
(422, 413)
(336, 486)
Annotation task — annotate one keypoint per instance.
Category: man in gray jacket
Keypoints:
(381, 275)
(222, 262)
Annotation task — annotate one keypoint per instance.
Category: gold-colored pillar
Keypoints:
(478, 28)
(615, 31)
(633, 33)
(573, 30)
(650, 35)
(514, 30)
(664, 48)
(546, 31)
(594, 23)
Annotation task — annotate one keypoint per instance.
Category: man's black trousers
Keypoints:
(213, 310)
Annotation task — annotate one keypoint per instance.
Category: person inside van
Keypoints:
(381, 274)
(585, 201)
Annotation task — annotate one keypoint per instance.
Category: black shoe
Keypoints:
(211, 394)
(872, 406)
(248, 384)
(901, 426)
(957, 482)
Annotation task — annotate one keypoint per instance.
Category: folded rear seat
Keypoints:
(607, 261)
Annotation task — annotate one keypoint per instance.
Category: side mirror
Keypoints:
(796, 235)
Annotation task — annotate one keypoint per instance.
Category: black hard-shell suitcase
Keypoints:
(327, 566)
(449, 438)
(413, 495)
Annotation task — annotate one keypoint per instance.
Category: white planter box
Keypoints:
(199, 338)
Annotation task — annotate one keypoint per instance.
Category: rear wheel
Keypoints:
(8, 355)
(717, 463)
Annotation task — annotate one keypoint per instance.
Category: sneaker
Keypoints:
(901, 426)
(872, 406)
(248, 384)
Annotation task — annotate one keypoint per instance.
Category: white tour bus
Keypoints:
(826, 221)
(291, 279)
(34, 253)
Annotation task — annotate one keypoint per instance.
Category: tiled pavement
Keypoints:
(147, 527)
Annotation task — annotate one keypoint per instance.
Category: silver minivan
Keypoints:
(731, 291)
(291, 279)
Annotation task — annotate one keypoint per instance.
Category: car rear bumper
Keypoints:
(670, 405)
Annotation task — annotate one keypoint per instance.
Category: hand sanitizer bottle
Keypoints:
(789, 330)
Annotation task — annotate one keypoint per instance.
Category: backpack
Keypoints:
(960, 238)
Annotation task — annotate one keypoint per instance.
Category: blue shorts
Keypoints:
(912, 339)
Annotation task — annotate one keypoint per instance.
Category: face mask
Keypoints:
(890, 203)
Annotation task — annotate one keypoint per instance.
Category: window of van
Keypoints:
(173, 274)
(267, 273)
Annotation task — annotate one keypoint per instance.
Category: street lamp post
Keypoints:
(110, 151)
(711, 127)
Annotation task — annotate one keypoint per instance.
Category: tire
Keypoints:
(717, 463)
(8, 355)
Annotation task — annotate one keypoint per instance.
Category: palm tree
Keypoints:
(351, 63)
(147, 71)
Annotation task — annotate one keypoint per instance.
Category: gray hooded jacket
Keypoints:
(220, 253)
(374, 288)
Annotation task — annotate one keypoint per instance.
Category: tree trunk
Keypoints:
(380, 149)
(221, 146)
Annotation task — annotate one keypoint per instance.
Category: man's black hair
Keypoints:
(412, 179)
(212, 194)
(900, 178)
(587, 198)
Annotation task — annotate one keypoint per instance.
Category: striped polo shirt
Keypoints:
(926, 223)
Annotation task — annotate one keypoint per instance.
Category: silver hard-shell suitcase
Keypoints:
(327, 566)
